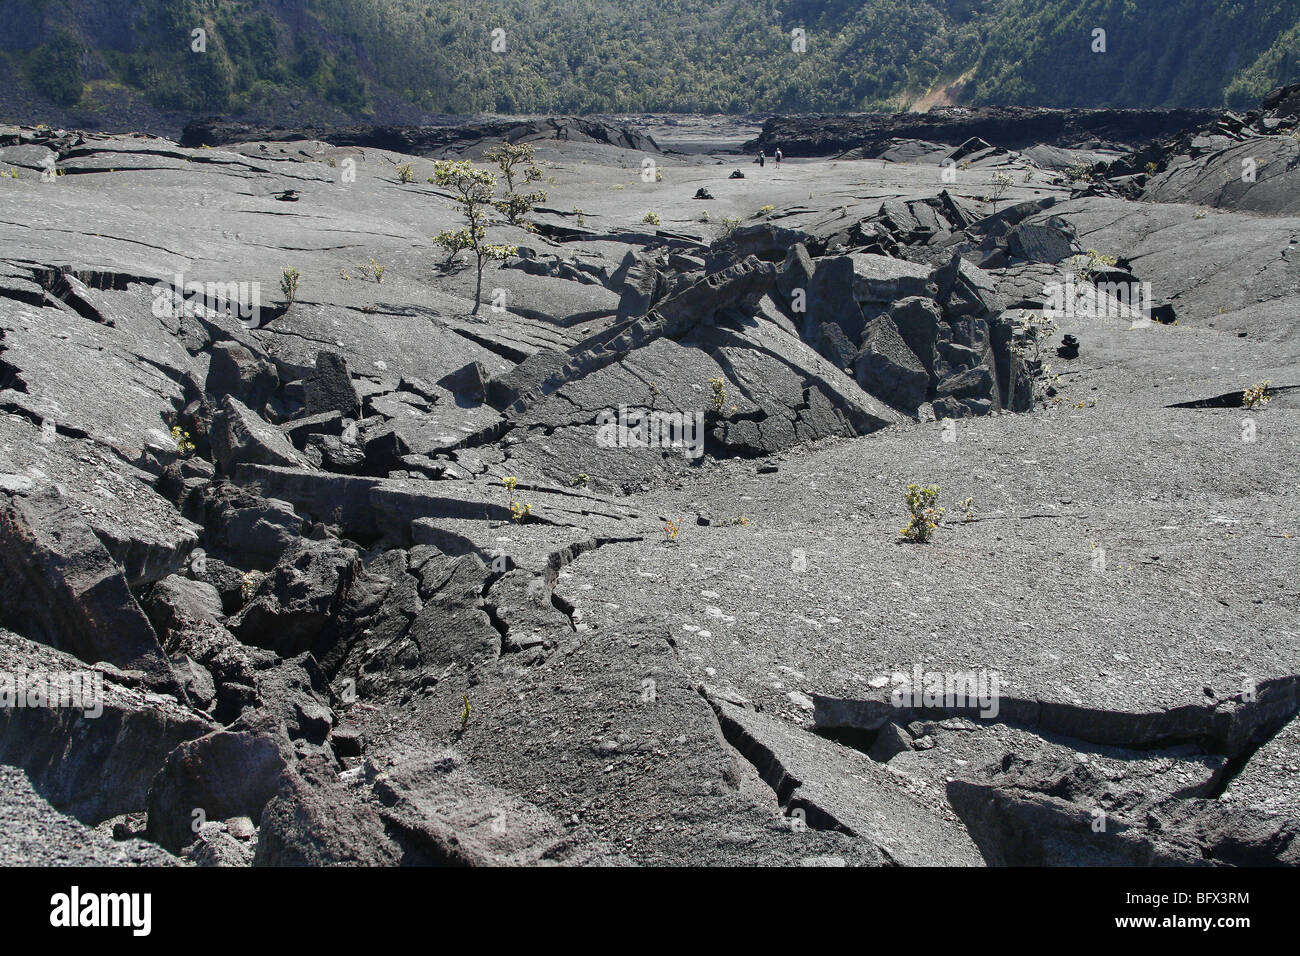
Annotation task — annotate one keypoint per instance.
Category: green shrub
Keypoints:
(289, 283)
(924, 513)
(727, 225)
(1257, 396)
(55, 69)
(719, 386)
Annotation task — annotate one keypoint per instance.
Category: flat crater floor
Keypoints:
(663, 659)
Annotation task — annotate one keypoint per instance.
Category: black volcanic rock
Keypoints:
(235, 371)
(456, 588)
(329, 388)
(62, 587)
(423, 140)
(240, 435)
(98, 760)
(1006, 127)
(886, 366)
(297, 600)
(1230, 162)
(215, 777)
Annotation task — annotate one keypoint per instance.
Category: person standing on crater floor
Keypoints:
(777, 157)
(762, 160)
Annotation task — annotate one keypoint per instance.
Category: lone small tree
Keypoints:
(507, 157)
(473, 189)
(1001, 183)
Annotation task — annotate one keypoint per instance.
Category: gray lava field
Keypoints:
(342, 566)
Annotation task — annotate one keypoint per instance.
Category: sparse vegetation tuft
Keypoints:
(249, 584)
(1257, 396)
(1029, 344)
(289, 280)
(372, 270)
(1080, 172)
(727, 225)
(1000, 184)
(719, 387)
(508, 157)
(923, 511)
(515, 205)
(182, 439)
(1091, 264)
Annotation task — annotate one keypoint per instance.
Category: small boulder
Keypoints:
(315, 820)
(59, 585)
(215, 777)
(1052, 241)
(299, 598)
(252, 531)
(234, 370)
(890, 741)
(335, 454)
(965, 290)
(329, 387)
(176, 601)
(238, 435)
(888, 369)
(215, 845)
(917, 319)
(796, 272)
(467, 382)
(326, 423)
(831, 299)
(835, 345)
(971, 383)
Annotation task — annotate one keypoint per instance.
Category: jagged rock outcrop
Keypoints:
(1229, 161)
(89, 738)
(1008, 128)
(63, 588)
(1045, 813)
(424, 140)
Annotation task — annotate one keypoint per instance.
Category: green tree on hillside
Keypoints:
(55, 69)
(578, 56)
